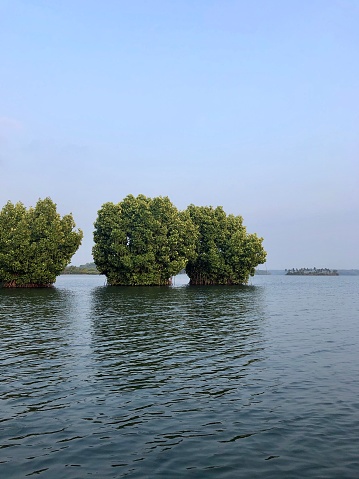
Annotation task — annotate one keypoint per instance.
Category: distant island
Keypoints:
(88, 268)
(262, 272)
(311, 272)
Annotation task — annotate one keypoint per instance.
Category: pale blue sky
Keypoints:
(252, 105)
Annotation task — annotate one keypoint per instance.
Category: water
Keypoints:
(181, 382)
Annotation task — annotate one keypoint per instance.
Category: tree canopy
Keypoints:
(225, 252)
(35, 244)
(142, 241)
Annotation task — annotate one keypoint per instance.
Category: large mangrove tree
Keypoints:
(142, 241)
(35, 244)
(225, 252)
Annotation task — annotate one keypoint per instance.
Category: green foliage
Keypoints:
(142, 241)
(225, 253)
(35, 244)
(88, 268)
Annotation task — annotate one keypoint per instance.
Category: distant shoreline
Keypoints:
(312, 272)
(340, 272)
(90, 269)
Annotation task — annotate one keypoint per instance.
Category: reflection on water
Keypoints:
(32, 329)
(148, 337)
(219, 382)
(176, 363)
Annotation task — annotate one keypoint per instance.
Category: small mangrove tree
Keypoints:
(35, 244)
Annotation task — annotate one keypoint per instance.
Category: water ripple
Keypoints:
(257, 381)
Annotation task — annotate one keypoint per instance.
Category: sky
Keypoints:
(251, 105)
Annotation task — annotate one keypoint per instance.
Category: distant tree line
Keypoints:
(312, 272)
(88, 268)
(348, 272)
(262, 272)
(139, 241)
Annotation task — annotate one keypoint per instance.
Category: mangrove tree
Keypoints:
(35, 244)
(142, 241)
(225, 252)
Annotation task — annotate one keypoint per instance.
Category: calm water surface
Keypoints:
(181, 382)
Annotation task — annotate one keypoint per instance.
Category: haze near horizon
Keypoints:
(253, 106)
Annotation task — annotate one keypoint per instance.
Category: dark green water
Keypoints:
(181, 382)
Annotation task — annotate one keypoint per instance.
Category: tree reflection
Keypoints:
(150, 336)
